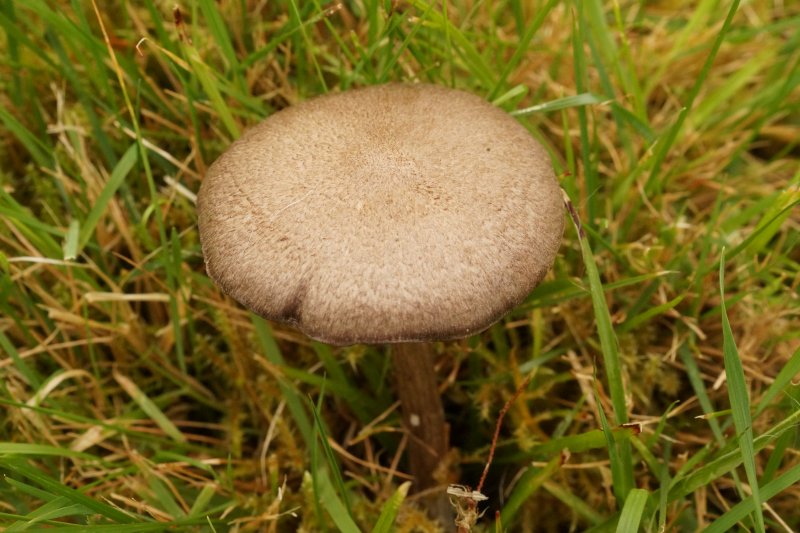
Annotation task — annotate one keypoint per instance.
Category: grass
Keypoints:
(664, 346)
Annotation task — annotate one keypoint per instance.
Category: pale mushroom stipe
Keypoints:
(396, 213)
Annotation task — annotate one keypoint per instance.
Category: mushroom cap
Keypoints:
(392, 213)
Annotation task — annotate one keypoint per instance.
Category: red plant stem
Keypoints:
(503, 412)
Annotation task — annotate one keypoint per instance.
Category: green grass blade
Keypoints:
(57, 488)
(331, 502)
(30, 490)
(722, 96)
(530, 482)
(693, 373)
(186, 524)
(149, 407)
(664, 481)
(579, 37)
(210, 84)
(719, 466)
(740, 400)
(163, 497)
(620, 484)
(174, 277)
(474, 61)
(71, 241)
(115, 181)
(333, 464)
(610, 349)
(655, 181)
(567, 102)
(769, 225)
(202, 500)
(728, 521)
(573, 502)
(551, 293)
(294, 403)
(24, 448)
(41, 152)
(784, 444)
(782, 380)
(30, 374)
(515, 93)
(309, 44)
(524, 42)
(385, 523)
(219, 33)
(636, 321)
(58, 508)
(631, 518)
(590, 440)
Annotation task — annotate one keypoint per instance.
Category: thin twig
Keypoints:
(503, 412)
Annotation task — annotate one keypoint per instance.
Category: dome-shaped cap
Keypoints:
(391, 213)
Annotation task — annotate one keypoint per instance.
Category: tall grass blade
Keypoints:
(740, 400)
(610, 350)
(333, 464)
(620, 484)
(339, 514)
(579, 37)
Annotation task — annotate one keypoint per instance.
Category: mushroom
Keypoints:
(399, 214)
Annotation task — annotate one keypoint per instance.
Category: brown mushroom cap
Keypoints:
(391, 213)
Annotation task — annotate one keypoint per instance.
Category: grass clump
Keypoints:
(663, 349)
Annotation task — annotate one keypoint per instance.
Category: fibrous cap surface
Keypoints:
(387, 214)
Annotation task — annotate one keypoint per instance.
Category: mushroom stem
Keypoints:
(423, 416)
